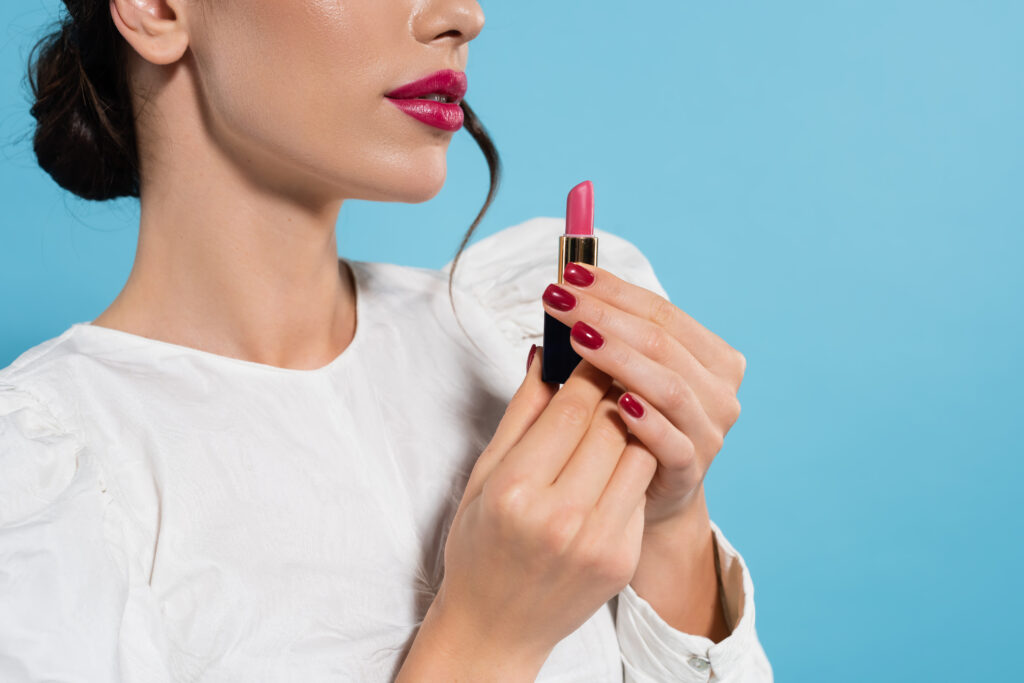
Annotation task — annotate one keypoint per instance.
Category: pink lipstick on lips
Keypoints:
(579, 244)
(434, 99)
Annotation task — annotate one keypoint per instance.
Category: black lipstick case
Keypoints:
(558, 359)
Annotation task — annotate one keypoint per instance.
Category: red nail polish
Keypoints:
(631, 405)
(577, 275)
(529, 358)
(558, 298)
(587, 335)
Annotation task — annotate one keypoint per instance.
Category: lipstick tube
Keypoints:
(579, 244)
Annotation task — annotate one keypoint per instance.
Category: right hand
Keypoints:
(550, 525)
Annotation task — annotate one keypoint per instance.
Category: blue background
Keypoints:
(836, 188)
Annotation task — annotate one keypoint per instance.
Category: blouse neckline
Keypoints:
(86, 327)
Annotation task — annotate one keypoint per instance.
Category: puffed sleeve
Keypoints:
(507, 273)
(65, 613)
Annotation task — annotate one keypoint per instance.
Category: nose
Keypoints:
(458, 20)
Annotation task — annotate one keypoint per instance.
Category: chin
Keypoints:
(420, 190)
(419, 181)
(426, 174)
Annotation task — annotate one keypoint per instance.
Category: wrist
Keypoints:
(691, 525)
(677, 572)
(449, 649)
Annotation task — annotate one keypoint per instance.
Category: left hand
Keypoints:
(683, 376)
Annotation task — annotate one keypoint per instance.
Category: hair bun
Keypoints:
(85, 134)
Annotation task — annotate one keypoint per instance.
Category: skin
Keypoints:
(257, 119)
(261, 117)
(548, 530)
(686, 378)
(575, 497)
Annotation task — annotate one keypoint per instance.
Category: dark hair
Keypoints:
(85, 128)
(85, 131)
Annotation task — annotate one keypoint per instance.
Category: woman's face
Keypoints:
(297, 87)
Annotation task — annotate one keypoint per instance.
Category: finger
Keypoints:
(585, 476)
(676, 454)
(627, 486)
(662, 388)
(635, 526)
(548, 443)
(652, 340)
(523, 409)
(711, 350)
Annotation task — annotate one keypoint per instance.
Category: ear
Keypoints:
(155, 28)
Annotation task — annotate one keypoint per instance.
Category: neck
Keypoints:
(233, 264)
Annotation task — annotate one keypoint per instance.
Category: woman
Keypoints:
(263, 462)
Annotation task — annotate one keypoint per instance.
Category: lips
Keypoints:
(452, 84)
(444, 115)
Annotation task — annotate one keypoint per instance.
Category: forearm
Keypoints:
(446, 652)
(676, 573)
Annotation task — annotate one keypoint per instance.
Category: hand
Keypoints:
(550, 525)
(682, 376)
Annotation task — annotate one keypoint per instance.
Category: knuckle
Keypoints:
(597, 315)
(677, 392)
(561, 528)
(505, 501)
(717, 440)
(615, 568)
(609, 431)
(621, 354)
(596, 558)
(687, 455)
(741, 362)
(656, 342)
(662, 311)
(589, 557)
(572, 412)
(736, 366)
(734, 410)
(613, 288)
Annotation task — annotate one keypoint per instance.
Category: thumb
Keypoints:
(526, 405)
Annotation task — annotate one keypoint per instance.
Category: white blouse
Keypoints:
(170, 514)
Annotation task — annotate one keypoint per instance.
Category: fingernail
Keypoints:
(577, 275)
(529, 358)
(587, 335)
(631, 405)
(558, 298)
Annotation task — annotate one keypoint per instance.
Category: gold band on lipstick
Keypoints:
(579, 248)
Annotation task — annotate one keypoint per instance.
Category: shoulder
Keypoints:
(38, 355)
(507, 272)
(57, 539)
(49, 375)
(38, 452)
